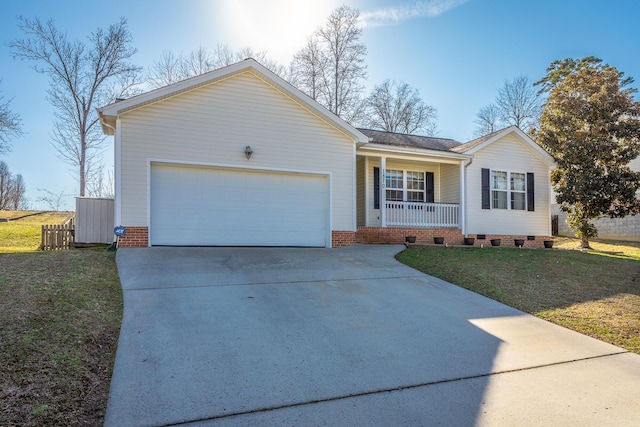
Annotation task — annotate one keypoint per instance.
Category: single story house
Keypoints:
(239, 157)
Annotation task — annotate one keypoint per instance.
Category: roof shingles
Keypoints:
(414, 141)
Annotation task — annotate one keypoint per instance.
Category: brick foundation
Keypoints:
(136, 237)
(507, 240)
(342, 238)
(396, 235)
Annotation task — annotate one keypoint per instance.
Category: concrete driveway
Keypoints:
(348, 336)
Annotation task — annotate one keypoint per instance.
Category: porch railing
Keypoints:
(413, 214)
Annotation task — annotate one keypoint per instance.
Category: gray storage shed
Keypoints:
(94, 220)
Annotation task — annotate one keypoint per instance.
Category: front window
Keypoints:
(415, 186)
(404, 186)
(394, 183)
(508, 190)
(518, 191)
(498, 190)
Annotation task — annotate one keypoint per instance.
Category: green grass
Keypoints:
(59, 324)
(60, 315)
(595, 292)
(23, 234)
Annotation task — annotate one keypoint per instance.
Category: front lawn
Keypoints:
(596, 293)
(60, 315)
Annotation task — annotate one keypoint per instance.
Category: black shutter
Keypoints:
(531, 205)
(429, 187)
(486, 189)
(376, 188)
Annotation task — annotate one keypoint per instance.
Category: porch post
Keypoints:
(367, 198)
(463, 206)
(383, 192)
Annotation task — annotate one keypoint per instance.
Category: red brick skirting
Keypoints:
(508, 240)
(397, 235)
(136, 237)
(342, 238)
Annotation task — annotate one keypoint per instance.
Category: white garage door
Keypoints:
(202, 206)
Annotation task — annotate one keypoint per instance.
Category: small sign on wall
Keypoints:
(119, 231)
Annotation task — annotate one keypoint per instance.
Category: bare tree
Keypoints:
(517, 104)
(12, 190)
(307, 66)
(397, 107)
(82, 77)
(10, 124)
(5, 185)
(17, 199)
(166, 70)
(345, 68)
(488, 120)
(330, 68)
(171, 68)
(101, 184)
(55, 201)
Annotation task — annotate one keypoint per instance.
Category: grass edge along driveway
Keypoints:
(60, 316)
(596, 293)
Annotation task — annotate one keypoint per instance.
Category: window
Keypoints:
(394, 183)
(415, 186)
(498, 190)
(518, 191)
(407, 186)
(508, 190)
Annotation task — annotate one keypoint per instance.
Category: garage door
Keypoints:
(202, 206)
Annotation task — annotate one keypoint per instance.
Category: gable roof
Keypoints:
(109, 113)
(479, 143)
(406, 140)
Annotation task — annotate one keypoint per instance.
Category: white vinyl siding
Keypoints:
(507, 154)
(212, 125)
(449, 183)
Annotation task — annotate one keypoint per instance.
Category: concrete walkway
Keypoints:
(348, 336)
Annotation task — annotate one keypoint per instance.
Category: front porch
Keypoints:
(417, 190)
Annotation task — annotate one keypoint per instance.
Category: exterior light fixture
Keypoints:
(248, 151)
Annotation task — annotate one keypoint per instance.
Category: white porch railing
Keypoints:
(413, 214)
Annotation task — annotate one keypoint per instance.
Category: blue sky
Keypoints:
(457, 53)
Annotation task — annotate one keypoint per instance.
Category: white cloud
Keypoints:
(395, 15)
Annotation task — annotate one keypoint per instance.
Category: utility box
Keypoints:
(94, 220)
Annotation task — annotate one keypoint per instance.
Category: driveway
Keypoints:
(347, 336)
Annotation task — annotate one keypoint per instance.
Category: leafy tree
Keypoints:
(591, 126)
(561, 68)
(517, 104)
(172, 68)
(82, 76)
(330, 68)
(397, 107)
(10, 125)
